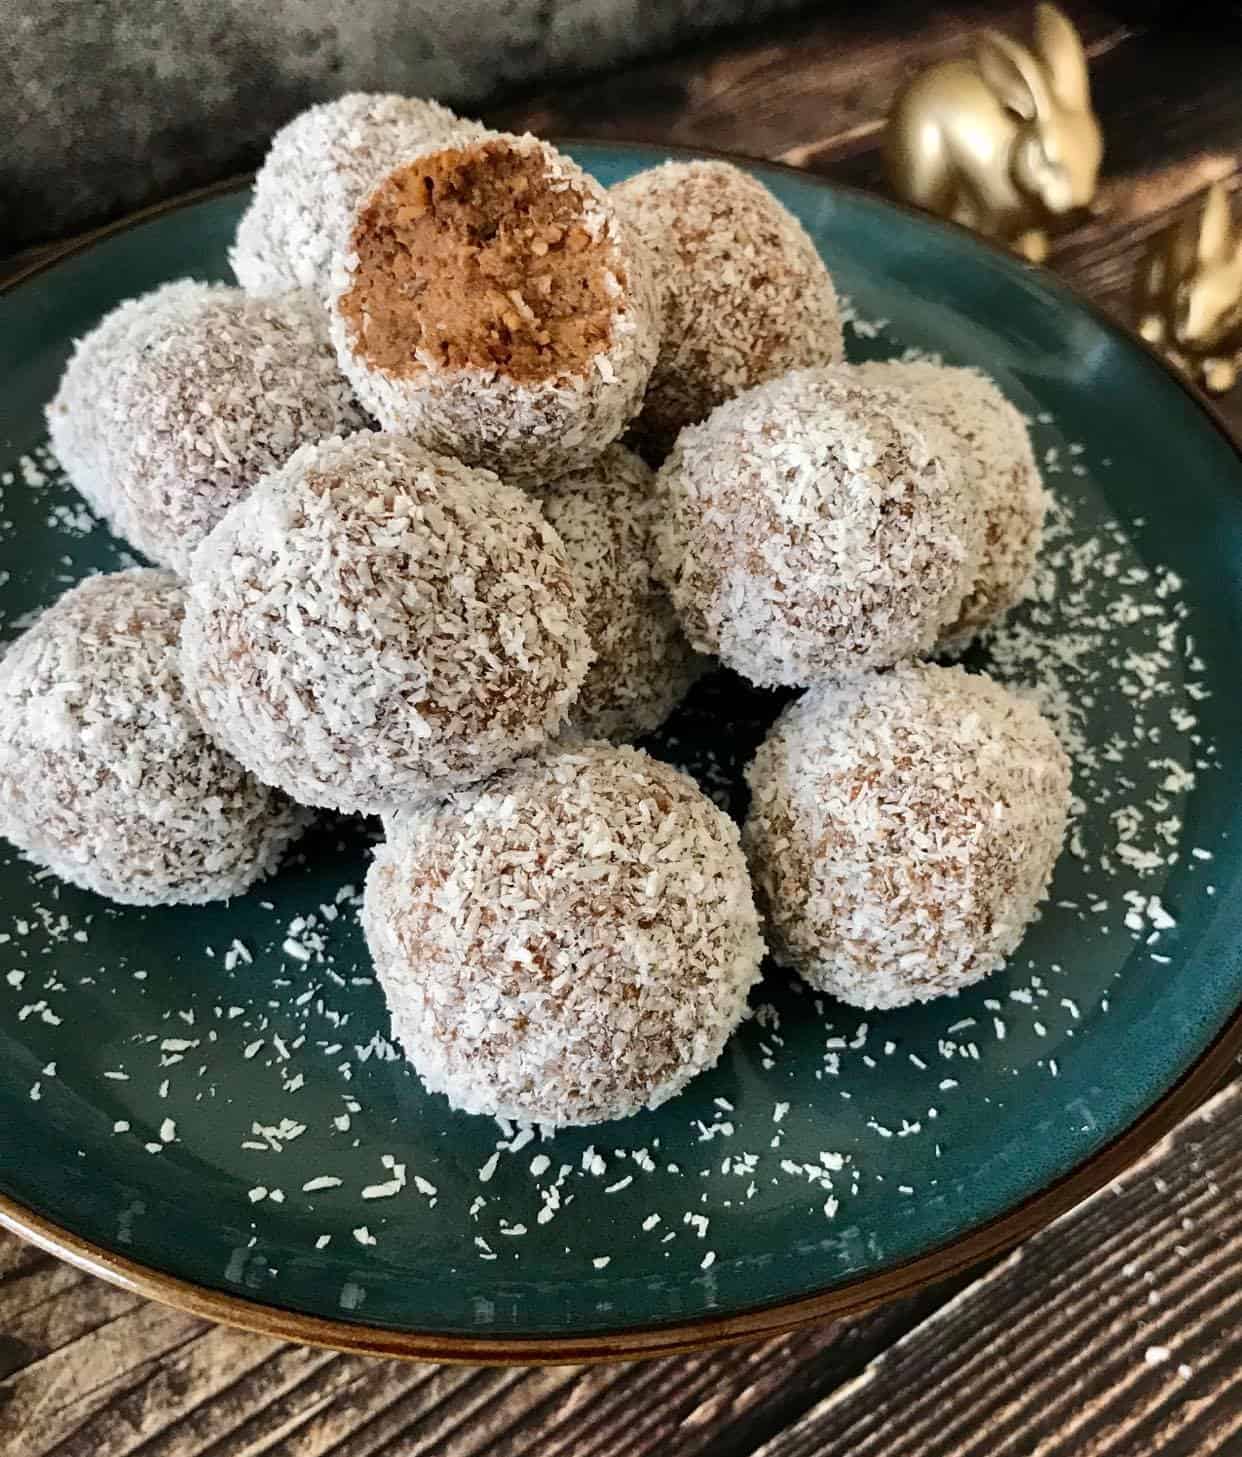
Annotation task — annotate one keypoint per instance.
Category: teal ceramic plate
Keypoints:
(204, 1102)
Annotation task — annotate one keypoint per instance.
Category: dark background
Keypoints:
(109, 104)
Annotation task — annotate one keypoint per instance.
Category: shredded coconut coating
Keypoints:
(812, 527)
(106, 777)
(994, 447)
(903, 831)
(318, 169)
(219, 390)
(528, 431)
(374, 624)
(745, 294)
(571, 942)
(78, 418)
(606, 516)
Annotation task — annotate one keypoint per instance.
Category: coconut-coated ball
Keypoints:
(319, 168)
(571, 942)
(745, 294)
(492, 306)
(374, 624)
(811, 527)
(80, 418)
(223, 389)
(994, 448)
(606, 515)
(903, 831)
(106, 777)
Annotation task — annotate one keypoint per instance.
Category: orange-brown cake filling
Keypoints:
(473, 256)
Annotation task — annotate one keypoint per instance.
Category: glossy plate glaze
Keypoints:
(203, 1103)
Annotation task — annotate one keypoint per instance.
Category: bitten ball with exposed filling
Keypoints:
(213, 389)
(994, 449)
(811, 527)
(318, 169)
(374, 624)
(106, 776)
(606, 516)
(903, 831)
(571, 942)
(492, 306)
(746, 296)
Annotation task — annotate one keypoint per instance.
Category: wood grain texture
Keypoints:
(809, 89)
(133, 1377)
(1117, 1330)
(1044, 1355)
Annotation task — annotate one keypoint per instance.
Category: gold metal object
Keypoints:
(1004, 141)
(1189, 293)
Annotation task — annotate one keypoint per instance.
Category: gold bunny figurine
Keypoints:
(1190, 293)
(1004, 141)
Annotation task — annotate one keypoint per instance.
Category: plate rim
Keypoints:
(954, 1256)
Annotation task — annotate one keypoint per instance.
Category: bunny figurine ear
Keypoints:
(1215, 226)
(1061, 51)
(1012, 74)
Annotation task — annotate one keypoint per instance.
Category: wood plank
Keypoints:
(1117, 1330)
(17, 1258)
(811, 77)
(160, 1384)
(34, 1284)
(716, 1402)
(278, 1400)
(66, 1311)
(360, 1417)
(47, 1400)
(201, 1371)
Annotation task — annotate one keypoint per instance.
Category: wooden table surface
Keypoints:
(1116, 1331)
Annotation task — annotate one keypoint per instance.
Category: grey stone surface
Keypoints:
(109, 104)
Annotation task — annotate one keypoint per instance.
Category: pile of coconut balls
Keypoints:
(412, 560)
